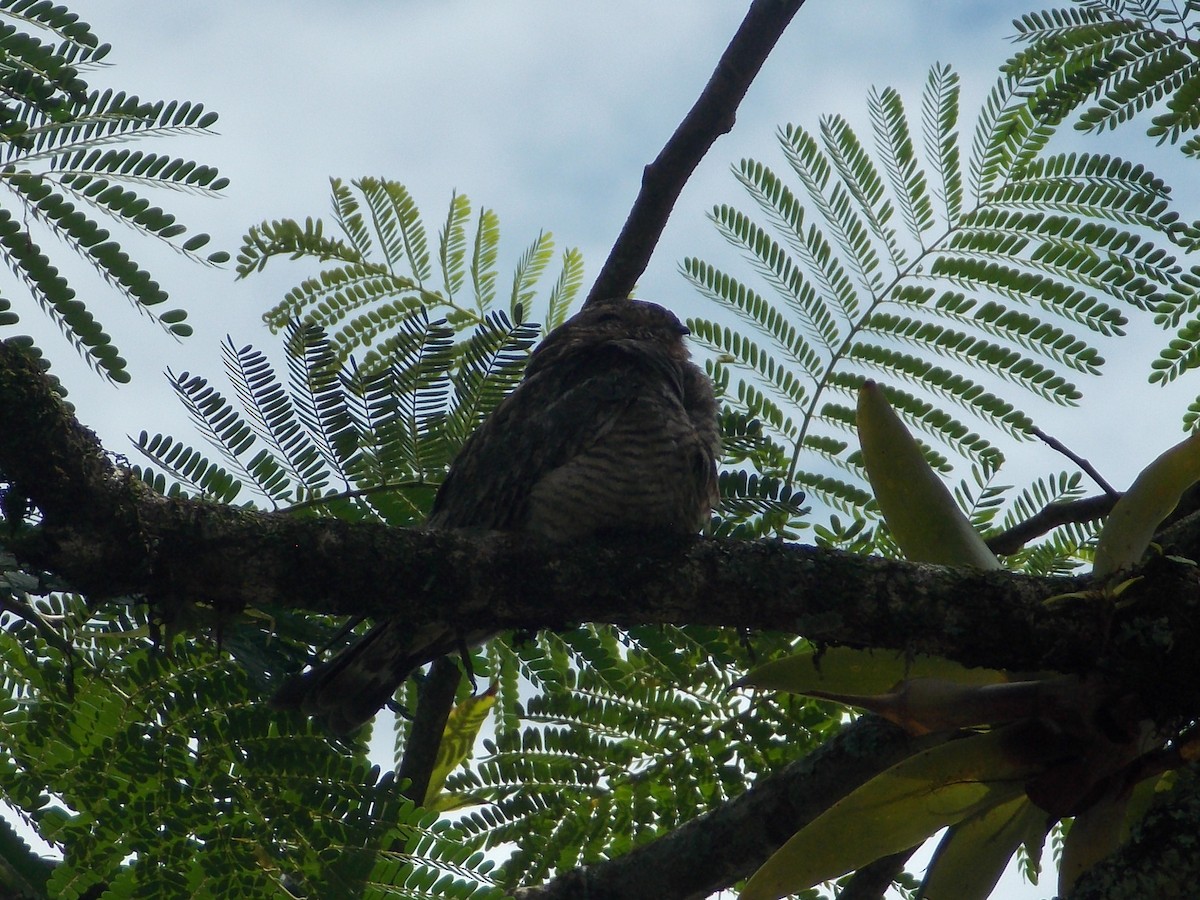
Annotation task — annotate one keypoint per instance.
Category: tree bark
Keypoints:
(1161, 859)
(106, 534)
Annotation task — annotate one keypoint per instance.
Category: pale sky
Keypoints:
(544, 111)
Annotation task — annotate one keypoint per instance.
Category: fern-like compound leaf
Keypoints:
(1040, 249)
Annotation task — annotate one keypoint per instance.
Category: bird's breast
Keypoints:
(644, 472)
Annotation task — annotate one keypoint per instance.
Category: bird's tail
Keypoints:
(346, 691)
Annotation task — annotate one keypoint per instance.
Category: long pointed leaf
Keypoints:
(918, 507)
(904, 805)
(847, 670)
(1154, 493)
(973, 854)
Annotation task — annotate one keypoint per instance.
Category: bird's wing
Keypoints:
(549, 419)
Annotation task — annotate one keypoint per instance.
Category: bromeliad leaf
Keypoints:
(904, 805)
(845, 670)
(974, 853)
(919, 509)
(1150, 499)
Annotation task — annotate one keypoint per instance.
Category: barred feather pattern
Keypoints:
(611, 428)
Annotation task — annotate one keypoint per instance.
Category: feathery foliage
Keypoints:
(65, 172)
(1068, 546)
(639, 725)
(150, 770)
(233, 812)
(959, 276)
(379, 394)
(1121, 59)
(383, 271)
(1117, 63)
(373, 439)
(379, 293)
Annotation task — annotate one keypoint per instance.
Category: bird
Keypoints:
(612, 427)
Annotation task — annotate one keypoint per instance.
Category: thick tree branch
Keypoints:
(60, 467)
(1067, 512)
(435, 700)
(710, 117)
(108, 535)
(873, 880)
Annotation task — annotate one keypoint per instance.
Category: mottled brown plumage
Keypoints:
(611, 428)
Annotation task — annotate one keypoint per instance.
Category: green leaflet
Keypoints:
(383, 268)
(167, 771)
(376, 408)
(1076, 51)
(458, 739)
(861, 260)
(66, 177)
(1134, 68)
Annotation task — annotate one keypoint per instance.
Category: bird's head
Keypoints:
(622, 321)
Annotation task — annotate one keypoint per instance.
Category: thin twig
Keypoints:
(1068, 512)
(710, 117)
(1078, 460)
(31, 616)
(1051, 516)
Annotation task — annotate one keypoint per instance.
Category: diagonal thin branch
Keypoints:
(435, 700)
(1051, 516)
(1087, 467)
(711, 116)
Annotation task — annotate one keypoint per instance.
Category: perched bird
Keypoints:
(612, 427)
